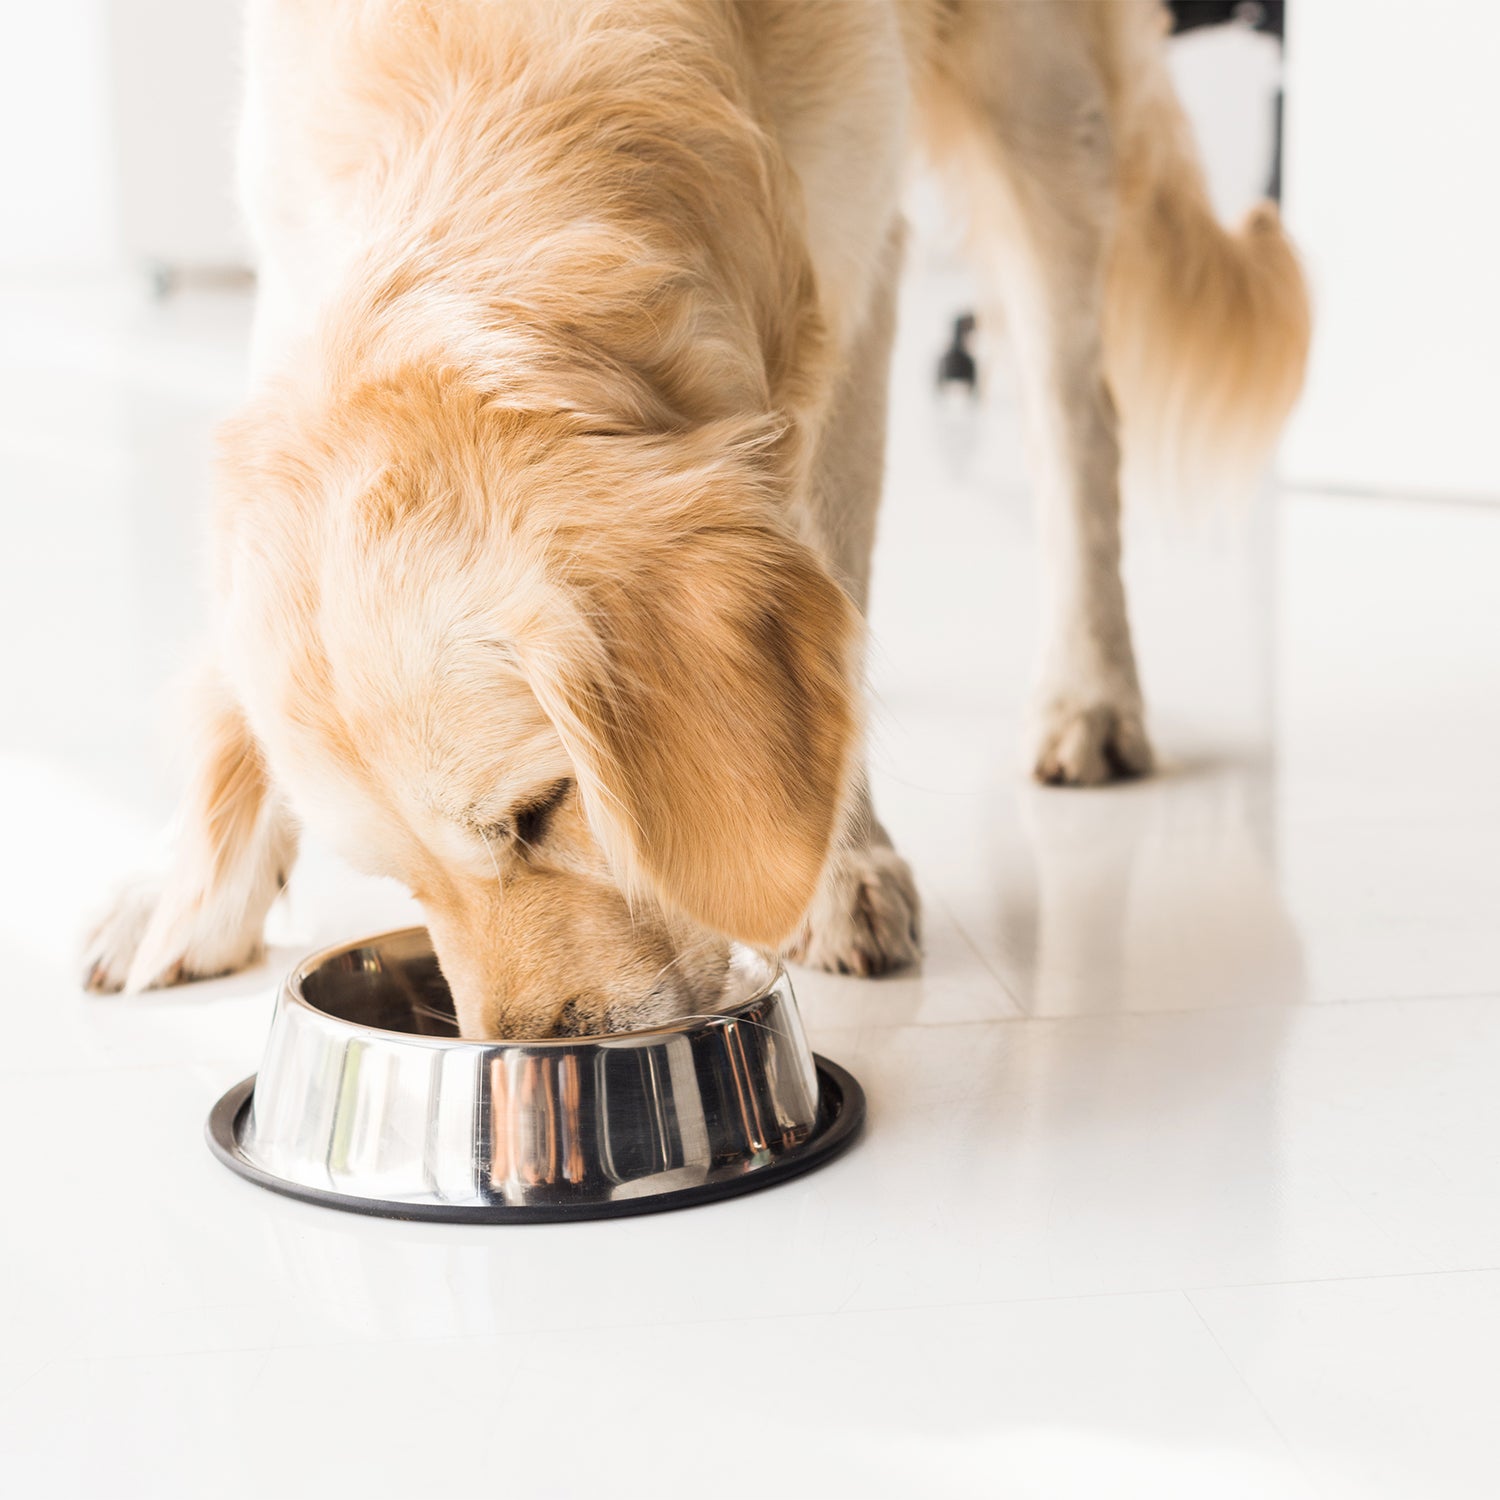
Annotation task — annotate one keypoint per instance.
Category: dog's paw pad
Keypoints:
(866, 918)
(1091, 745)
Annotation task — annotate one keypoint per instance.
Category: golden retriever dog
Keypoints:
(543, 540)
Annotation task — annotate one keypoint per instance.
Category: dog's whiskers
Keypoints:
(489, 849)
(671, 963)
(725, 1015)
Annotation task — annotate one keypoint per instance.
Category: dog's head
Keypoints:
(581, 692)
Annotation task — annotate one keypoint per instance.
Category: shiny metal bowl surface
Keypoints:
(368, 1099)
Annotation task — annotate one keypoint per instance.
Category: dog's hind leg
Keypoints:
(865, 918)
(1014, 103)
(234, 847)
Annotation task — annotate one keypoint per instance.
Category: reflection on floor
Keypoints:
(1180, 1176)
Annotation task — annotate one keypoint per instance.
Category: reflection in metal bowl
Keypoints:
(368, 1099)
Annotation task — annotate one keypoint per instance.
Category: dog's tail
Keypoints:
(1206, 329)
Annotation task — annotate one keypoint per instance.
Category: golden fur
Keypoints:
(542, 543)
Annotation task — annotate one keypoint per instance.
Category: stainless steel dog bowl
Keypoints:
(368, 1099)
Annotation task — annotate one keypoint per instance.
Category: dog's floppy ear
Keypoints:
(712, 719)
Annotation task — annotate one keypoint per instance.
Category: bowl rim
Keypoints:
(839, 1123)
(290, 991)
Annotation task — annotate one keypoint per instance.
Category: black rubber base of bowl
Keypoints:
(841, 1113)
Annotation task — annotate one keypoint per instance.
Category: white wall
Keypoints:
(58, 202)
(1393, 193)
(175, 66)
(116, 134)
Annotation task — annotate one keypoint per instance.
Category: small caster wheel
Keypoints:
(957, 366)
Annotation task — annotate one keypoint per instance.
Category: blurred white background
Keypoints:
(118, 122)
(1392, 128)
(118, 118)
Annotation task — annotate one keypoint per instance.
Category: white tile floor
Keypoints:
(1181, 1176)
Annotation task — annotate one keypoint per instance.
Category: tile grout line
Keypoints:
(1291, 1452)
(1022, 1014)
(759, 1317)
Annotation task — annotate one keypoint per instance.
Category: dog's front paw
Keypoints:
(866, 917)
(112, 941)
(147, 939)
(1083, 743)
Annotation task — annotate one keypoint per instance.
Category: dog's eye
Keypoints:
(529, 823)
